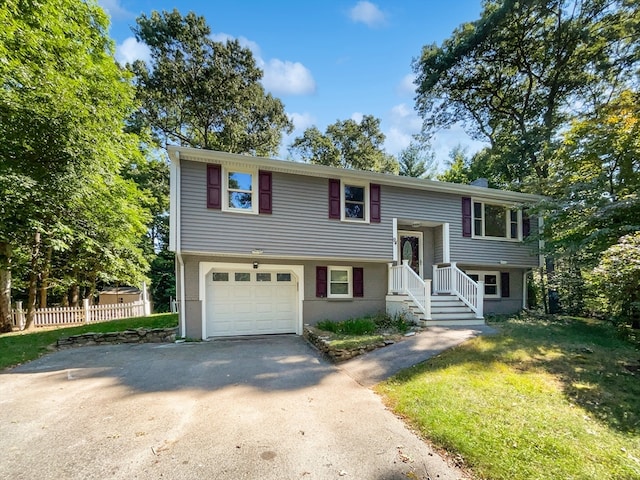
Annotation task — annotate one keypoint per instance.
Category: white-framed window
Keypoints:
(339, 282)
(240, 190)
(491, 282)
(354, 201)
(492, 220)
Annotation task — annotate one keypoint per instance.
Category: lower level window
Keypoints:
(340, 282)
(491, 282)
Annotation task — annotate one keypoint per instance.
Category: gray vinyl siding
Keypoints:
(298, 226)
(418, 205)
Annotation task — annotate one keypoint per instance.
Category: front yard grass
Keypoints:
(546, 398)
(20, 347)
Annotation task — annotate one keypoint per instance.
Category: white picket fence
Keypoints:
(58, 316)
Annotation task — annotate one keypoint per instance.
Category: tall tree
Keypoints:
(201, 93)
(417, 161)
(346, 144)
(516, 76)
(62, 113)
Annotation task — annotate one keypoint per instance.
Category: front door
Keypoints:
(410, 248)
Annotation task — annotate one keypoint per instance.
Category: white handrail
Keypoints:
(403, 280)
(450, 279)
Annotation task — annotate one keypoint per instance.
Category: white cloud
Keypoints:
(357, 117)
(367, 13)
(287, 78)
(406, 85)
(301, 121)
(280, 77)
(131, 50)
(405, 123)
(115, 10)
(243, 41)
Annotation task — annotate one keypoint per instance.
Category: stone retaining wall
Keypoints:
(140, 335)
(320, 340)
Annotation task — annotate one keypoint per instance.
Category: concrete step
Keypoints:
(456, 309)
(436, 322)
(453, 315)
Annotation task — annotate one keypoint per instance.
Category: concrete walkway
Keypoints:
(378, 365)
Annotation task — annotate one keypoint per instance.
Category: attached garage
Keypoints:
(242, 300)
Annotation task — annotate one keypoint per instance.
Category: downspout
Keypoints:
(174, 238)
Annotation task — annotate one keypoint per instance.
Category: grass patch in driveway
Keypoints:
(545, 398)
(20, 347)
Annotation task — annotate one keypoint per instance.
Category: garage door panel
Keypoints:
(240, 307)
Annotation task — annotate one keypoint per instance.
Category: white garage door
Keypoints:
(250, 302)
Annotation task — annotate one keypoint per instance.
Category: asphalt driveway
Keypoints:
(262, 408)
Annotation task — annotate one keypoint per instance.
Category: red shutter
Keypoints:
(264, 191)
(214, 186)
(334, 198)
(358, 282)
(374, 203)
(504, 284)
(526, 224)
(321, 282)
(466, 216)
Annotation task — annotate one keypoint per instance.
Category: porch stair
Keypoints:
(446, 310)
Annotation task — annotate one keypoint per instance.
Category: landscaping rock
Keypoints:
(140, 335)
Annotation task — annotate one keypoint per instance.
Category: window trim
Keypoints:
(481, 277)
(255, 194)
(349, 282)
(508, 209)
(367, 201)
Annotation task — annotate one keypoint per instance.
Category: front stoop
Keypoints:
(446, 310)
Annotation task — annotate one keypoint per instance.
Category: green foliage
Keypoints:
(352, 326)
(163, 280)
(366, 325)
(616, 280)
(417, 161)
(510, 76)
(346, 144)
(202, 93)
(62, 146)
(545, 398)
(20, 347)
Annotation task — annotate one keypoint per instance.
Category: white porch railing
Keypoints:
(450, 279)
(403, 280)
(58, 316)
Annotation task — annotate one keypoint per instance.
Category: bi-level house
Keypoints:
(265, 246)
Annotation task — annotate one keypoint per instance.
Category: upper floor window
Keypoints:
(240, 188)
(496, 221)
(355, 204)
(354, 201)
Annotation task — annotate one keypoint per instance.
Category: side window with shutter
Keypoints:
(334, 198)
(214, 186)
(264, 191)
(504, 284)
(358, 282)
(466, 216)
(374, 203)
(321, 282)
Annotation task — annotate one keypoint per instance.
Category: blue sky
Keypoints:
(326, 61)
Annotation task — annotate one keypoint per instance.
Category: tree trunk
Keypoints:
(33, 283)
(44, 280)
(74, 295)
(6, 323)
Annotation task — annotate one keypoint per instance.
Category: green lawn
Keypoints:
(20, 347)
(544, 399)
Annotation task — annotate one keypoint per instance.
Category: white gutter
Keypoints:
(299, 168)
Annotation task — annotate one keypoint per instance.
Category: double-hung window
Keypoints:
(491, 282)
(355, 202)
(496, 221)
(240, 191)
(340, 282)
